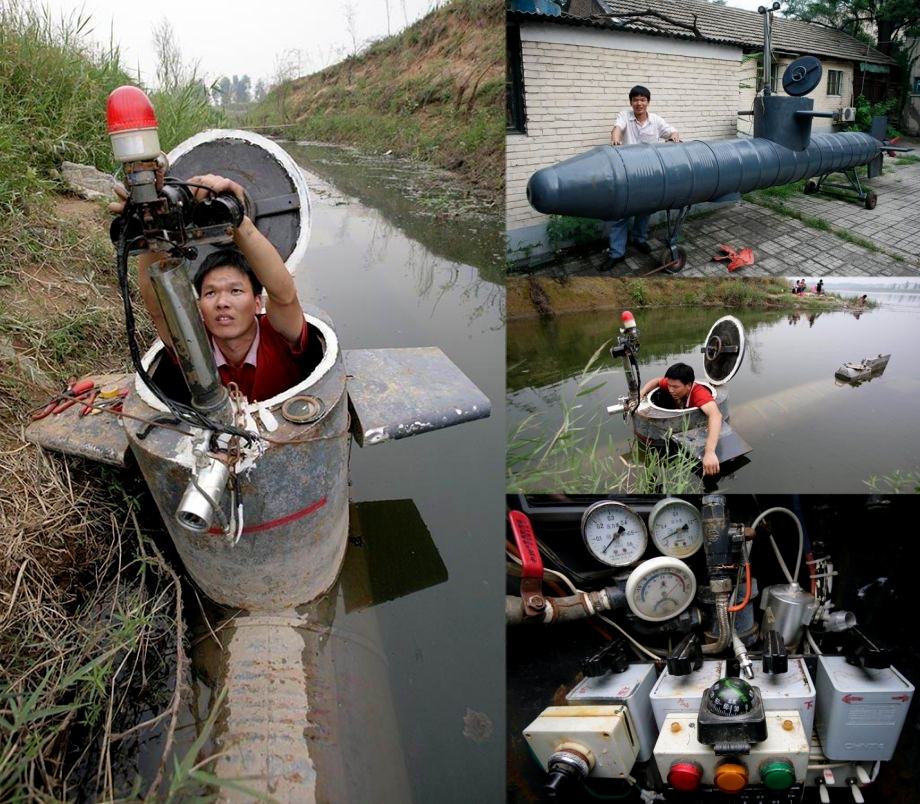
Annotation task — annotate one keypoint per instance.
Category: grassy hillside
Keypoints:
(434, 91)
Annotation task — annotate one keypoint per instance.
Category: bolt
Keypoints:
(536, 602)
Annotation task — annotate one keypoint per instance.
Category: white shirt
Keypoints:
(654, 129)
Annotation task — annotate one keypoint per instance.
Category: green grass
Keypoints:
(898, 482)
(53, 90)
(907, 159)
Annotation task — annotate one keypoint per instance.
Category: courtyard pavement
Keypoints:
(784, 246)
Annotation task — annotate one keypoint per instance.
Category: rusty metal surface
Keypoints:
(295, 507)
(99, 438)
(397, 393)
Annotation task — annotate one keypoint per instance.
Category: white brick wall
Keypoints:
(575, 91)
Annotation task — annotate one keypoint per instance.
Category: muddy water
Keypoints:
(808, 434)
(403, 663)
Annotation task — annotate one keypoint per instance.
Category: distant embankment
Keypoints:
(540, 296)
(434, 91)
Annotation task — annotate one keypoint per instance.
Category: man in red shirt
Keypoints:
(680, 382)
(261, 353)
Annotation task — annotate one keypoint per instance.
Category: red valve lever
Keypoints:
(531, 564)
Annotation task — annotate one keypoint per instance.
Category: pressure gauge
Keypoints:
(613, 533)
(660, 588)
(676, 527)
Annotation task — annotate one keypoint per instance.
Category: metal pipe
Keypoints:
(610, 183)
(190, 341)
(725, 630)
(566, 609)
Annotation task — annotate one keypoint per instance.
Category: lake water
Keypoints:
(808, 433)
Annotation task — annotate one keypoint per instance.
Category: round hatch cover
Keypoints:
(724, 350)
(802, 76)
(277, 199)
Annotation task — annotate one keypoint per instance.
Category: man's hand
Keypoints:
(675, 137)
(710, 463)
(213, 185)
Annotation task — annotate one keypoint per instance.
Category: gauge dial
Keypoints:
(676, 527)
(613, 533)
(660, 588)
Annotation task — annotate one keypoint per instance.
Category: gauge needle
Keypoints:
(674, 533)
(613, 538)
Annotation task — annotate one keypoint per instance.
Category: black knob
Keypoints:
(686, 657)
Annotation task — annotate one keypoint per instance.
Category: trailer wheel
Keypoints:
(679, 261)
(871, 200)
(811, 187)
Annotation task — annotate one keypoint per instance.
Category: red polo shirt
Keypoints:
(271, 366)
(699, 394)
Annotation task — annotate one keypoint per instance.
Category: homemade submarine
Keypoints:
(611, 183)
(655, 420)
(728, 649)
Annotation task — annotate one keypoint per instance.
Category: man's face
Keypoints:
(639, 105)
(678, 390)
(228, 304)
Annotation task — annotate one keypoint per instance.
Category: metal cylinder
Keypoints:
(610, 183)
(189, 337)
(203, 495)
(790, 608)
(294, 497)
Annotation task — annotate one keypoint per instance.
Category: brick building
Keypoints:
(569, 76)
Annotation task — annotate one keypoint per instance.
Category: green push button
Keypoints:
(777, 774)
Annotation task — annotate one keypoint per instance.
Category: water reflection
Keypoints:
(805, 435)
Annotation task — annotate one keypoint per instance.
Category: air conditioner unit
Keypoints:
(847, 114)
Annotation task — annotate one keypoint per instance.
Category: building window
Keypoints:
(515, 113)
(774, 75)
(916, 89)
(834, 81)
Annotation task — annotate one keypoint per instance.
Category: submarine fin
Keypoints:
(397, 393)
(730, 445)
(98, 437)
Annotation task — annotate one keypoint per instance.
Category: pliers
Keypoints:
(73, 393)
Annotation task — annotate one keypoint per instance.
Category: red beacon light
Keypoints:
(132, 125)
(627, 320)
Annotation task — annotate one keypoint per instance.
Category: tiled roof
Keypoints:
(738, 26)
(722, 25)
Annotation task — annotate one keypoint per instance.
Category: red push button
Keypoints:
(685, 776)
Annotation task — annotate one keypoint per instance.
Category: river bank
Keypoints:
(533, 297)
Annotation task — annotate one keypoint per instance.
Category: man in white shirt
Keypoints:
(635, 125)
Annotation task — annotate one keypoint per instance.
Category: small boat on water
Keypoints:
(862, 370)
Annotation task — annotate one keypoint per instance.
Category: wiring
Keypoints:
(779, 557)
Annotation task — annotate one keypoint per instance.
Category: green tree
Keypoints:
(889, 21)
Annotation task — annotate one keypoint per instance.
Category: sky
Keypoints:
(230, 37)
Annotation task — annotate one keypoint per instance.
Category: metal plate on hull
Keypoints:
(397, 393)
(730, 444)
(99, 438)
(724, 350)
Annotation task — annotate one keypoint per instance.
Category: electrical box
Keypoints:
(786, 740)
(793, 689)
(602, 733)
(684, 693)
(630, 688)
(860, 711)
